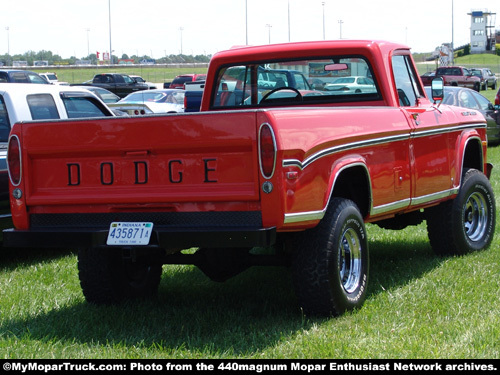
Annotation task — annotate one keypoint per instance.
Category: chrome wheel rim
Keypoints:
(475, 216)
(350, 260)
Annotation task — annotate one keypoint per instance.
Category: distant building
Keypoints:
(482, 31)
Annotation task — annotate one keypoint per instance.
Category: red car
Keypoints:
(497, 98)
(178, 82)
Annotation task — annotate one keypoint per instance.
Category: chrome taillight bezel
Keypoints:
(13, 181)
(267, 174)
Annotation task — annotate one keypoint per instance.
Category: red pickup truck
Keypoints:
(264, 164)
(454, 76)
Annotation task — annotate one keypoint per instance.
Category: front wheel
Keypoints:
(330, 262)
(466, 223)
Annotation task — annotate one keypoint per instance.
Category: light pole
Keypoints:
(246, 23)
(8, 42)
(110, 49)
(323, 4)
(181, 30)
(269, 31)
(340, 23)
(288, 21)
(88, 45)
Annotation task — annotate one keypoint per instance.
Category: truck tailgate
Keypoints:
(151, 160)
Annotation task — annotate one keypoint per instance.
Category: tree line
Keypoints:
(54, 59)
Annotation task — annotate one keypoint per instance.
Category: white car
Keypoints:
(52, 78)
(139, 79)
(352, 84)
(147, 102)
(26, 101)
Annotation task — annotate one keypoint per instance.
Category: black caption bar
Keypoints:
(230, 366)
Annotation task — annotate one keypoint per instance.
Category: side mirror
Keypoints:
(437, 89)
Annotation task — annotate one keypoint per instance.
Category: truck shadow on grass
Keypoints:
(191, 314)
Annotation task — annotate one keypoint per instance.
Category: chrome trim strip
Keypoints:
(304, 216)
(390, 206)
(434, 196)
(318, 215)
(375, 141)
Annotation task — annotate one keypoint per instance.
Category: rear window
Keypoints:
(280, 83)
(80, 107)
(42, 107)
(182, 79)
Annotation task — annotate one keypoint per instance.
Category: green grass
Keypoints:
(418, 306)
(155, 74)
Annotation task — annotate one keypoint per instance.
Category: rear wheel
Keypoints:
(466, 223)
(330, 262)
(106, 277)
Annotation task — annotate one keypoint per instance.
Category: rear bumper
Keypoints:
(162, 237)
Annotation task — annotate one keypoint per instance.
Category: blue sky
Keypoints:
(162, 27)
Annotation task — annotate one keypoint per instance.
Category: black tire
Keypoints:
(330, 262)
(107, 278)
(466, 223)
(477, 87)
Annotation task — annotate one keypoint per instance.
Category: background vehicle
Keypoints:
(356, 84)
(117, 83)
(151, 101)
(52, 78)
(455, 76)
(25, 102)
(488, 79)
(178, 82)
(105, 95)
(139, 79)
(20, 76)
(464, 97)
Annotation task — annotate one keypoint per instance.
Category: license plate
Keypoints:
(129, 233)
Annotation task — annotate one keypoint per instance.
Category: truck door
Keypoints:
(431, 139)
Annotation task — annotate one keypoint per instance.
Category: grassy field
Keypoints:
(418, 306)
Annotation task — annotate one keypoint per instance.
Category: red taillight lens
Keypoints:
(14, 160)
(267, 149)
(497, 98)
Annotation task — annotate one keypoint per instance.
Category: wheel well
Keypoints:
(473, 156)
(353, 183)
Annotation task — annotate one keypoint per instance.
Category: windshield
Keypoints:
(172, 96)
(295, 82)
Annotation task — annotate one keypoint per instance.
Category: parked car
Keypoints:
(24, 102)
(52, 78)
(488, 79)
(20, 76)
(105, 95)
(151, 101)
(179, 81)
(355, 84)
(464, 97)
(139, 79)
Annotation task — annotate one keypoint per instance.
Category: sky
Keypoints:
(158, 28)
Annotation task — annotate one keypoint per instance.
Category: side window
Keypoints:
(4, 122)
(406, 82)
(35, 78)
(42, 107)
(3, 77)
(483, 102)
(79, 107)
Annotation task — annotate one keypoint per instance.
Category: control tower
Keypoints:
(482, 31)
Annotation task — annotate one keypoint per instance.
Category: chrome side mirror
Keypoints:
(437, 89)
